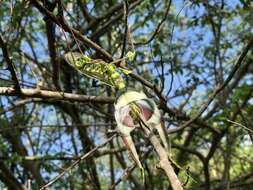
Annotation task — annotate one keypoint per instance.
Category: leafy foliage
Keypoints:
(178, 62)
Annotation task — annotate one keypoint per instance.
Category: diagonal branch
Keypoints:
(106, 26)
(10, 63)
(63, 24)
(164, 162)
(109, 14)
(158, 28)
(8, 178)
(219, 88)
(85, 156)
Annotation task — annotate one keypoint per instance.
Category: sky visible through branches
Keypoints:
(199, 53)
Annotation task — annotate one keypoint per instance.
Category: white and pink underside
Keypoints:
(149, 113)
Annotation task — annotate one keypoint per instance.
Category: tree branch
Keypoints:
(8, 178)
(158, 28)
(85, 156)
(10, 63)
(37, 93)
(164, 161)
(218, 89)
(63, 24)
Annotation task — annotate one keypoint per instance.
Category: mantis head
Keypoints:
(77, 59)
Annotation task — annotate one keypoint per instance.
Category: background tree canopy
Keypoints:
(194, 58)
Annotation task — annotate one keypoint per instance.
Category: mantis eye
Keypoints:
(111, 67)
(79, 63)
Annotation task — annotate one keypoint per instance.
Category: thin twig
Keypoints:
(158, 28)
(116, 9)
(126, 174)
(244, 127)
(171, 56)
(126, 11)
(62, 23)
(88, 154)
(218, 89)
(47, 127)
(18, 104)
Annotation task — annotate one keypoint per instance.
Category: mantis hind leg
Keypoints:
(128, 141)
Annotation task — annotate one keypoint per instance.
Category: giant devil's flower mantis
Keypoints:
(132, 109)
